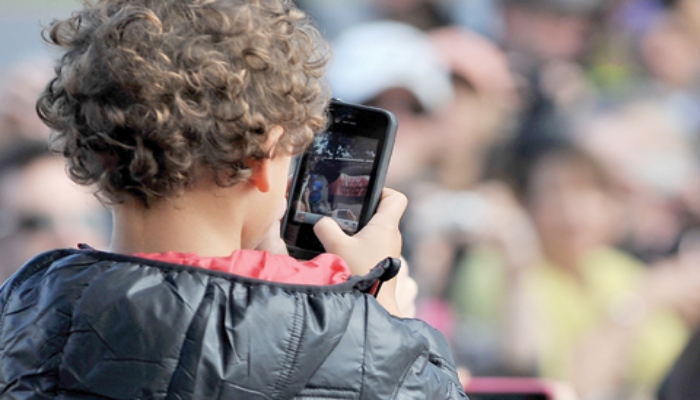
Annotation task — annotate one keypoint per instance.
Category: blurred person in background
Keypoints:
(549, 294)
(423, 14)
(484, 105)
(610, 329)
(537, 32)
(20, 85)
(481, 114)
(40, 208)
(394, 66)
(335, 16)
(689, 11)
(549, 44)
(670, 50)
(672, 55)
(649, 152)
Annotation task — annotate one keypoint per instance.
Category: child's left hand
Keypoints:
(272, 241)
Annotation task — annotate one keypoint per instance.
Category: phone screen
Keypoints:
(340, 175)
(335, 179)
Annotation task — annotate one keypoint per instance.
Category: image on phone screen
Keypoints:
(335, 179)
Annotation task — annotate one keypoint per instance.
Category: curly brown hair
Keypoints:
(148, 91)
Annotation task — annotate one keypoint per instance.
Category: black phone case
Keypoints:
(376, 183)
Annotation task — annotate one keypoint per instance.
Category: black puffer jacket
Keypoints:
(83, 324)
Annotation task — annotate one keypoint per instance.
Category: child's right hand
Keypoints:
(379, 239)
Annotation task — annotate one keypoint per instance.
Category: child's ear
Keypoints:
(260, 169)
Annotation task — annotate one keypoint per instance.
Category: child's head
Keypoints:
(571, 197)
(152, 93)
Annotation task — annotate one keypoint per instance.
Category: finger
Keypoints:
(391, 208)
(329, 233)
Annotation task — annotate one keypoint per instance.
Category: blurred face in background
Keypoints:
(572, 206)
(41, 209)
(418, 138)
(547, 34)
(649, 153)
(482, 109)
(20, 85)
(471, 124)
(424, 14)
(670, 52)
(690, 11)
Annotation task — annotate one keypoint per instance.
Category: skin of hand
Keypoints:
(379, 239)
(273, 242)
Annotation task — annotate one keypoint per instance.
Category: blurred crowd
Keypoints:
(549, 150)
(40, 207)
(550, 153)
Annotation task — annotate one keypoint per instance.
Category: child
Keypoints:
(184, 114)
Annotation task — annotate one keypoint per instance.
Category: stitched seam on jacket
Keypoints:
(404, 375)
(364, 348)
(68, 333)
(25, 276)
(45, 263)
(174, 375)
(326, 393)
(292, 351)
(441, 363)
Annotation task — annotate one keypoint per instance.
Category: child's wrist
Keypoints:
(387, 297)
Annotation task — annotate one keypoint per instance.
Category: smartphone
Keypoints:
(341, 175)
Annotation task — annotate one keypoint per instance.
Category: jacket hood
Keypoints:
(136, 323)
(324, 269)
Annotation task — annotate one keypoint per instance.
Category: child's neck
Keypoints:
(198, 222)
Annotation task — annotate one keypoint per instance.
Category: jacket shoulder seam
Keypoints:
(293, 347)
(364, 347)
(405, 372)
(39, 263)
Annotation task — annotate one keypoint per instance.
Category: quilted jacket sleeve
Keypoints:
(433, 374)
(413, 353)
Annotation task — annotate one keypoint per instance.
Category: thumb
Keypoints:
(330, 234)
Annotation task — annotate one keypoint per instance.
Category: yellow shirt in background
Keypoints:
(570, 309)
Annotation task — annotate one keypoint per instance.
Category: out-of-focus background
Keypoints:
(20, 24)
(549, 150)
(40, 208)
